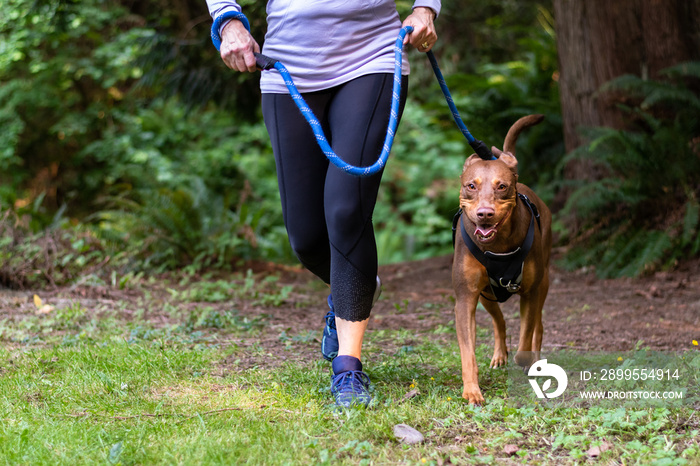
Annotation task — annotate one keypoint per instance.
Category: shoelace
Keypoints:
(350, 378)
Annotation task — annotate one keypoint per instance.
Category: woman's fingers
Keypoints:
(424, 35)
(237, 47)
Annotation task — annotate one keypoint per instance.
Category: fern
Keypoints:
(648, 196)
(659, 92)
(646, 251)
(682, 98)
(166, 228)
(687, 69)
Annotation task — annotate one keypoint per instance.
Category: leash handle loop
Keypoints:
(219, 20)
(264, 62)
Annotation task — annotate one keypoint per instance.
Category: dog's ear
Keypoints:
(507, 158)
(470, 160)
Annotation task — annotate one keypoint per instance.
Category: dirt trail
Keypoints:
(581, 312)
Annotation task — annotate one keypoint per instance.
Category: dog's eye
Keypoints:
(471, 186)
(502, 187)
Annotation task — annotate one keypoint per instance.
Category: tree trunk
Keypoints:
(599, 40)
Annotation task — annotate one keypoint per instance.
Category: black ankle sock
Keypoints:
(346, 363)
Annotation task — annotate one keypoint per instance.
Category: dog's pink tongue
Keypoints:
(483, 232)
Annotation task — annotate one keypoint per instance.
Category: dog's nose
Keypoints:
(484, 213)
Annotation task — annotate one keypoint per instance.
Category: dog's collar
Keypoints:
(505, 270)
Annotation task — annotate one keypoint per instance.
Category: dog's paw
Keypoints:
(525, 359)
(472, 393)
(500, 358)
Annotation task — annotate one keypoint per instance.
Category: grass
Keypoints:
(80, 385)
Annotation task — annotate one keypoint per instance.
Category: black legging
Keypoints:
(327, 212)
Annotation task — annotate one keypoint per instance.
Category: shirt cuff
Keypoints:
(220, 12)
(432, 4)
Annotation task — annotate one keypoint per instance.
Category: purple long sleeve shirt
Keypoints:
(324, 43)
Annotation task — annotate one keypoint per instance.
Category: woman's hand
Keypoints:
(423, 36)
(237, 47)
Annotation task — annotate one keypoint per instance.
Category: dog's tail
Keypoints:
(518, 126)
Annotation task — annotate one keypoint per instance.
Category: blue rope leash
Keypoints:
(267, 63)
(479, 147)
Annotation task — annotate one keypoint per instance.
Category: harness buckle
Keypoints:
(510, 286)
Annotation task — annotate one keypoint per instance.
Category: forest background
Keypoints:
(127, 146)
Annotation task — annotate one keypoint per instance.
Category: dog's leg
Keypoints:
(465, 320)
(537, 334)
(469, 277)
(500, 350)
(529, 310)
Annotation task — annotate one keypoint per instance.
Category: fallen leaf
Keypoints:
(595, 452)
(45, 309)
(407, 434)
(412, 394)
(37, 301)
(510, 449)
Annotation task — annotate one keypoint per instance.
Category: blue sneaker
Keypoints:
(349, 385)
(329, 340)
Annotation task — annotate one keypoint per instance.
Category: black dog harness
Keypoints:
(505, 270)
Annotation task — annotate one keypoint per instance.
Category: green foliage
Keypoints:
(643, 214)
(165, 229)
(189, 201)
(484, 31)
(180, 59)
(65, 67)
(419, 189)
(80, 108)
(497, 94)
(169, 228)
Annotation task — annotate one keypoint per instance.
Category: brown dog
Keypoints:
(506, 226)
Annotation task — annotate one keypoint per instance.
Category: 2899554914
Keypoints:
(630, 374)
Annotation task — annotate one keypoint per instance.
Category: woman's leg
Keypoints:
(358, 116)
(301, 176)
(327, 212)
